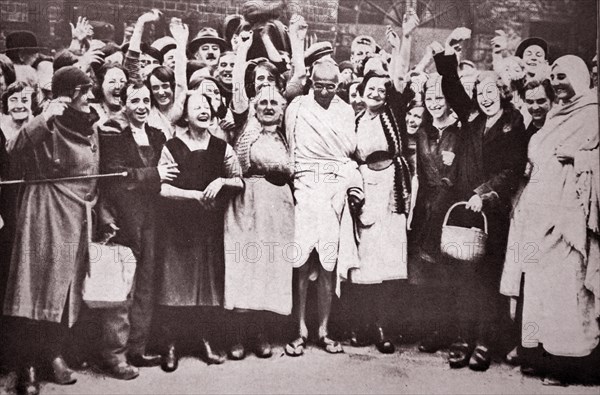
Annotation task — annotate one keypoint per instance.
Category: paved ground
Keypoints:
(361, 370)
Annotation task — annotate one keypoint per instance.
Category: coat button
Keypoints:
(89, 197)
(94, 147)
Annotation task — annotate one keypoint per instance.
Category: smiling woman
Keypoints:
(19, 103)
(193, 205)
(492, 158)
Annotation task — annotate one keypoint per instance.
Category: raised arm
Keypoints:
(181, 34)
(132, 57)
(80, 33)
(298, 30)
(400, 69)
(499, 49)
(425, 61)
(272, 52)
(447, 66)
(239, 102)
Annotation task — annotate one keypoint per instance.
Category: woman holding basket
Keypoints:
(491, 156)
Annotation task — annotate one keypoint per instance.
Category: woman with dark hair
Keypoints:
(381, 219)
(169, 87)
(250, 75)
(8, 203)
(191, 267)
(436, 143)
(110, 80)
(381, 222)
(19, 105)
(223, 125)
(491, 159)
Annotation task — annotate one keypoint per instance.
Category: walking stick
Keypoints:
(74, 178)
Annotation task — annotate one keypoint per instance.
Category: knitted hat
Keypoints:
(67, 79)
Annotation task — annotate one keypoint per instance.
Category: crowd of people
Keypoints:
(240, 166)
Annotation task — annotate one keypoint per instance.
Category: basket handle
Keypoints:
(485, 222)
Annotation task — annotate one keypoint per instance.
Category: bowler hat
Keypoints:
(528, 42)
(206, 35)
(21, 39)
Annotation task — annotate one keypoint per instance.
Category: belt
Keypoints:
(275, 179)
(378, 160)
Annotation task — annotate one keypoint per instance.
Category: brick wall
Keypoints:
(568, 25)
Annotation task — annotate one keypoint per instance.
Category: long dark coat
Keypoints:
(49, 258)
(435, 195)
(490, 163)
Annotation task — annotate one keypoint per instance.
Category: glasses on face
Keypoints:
(329, 87)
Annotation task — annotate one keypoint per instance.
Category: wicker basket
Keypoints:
(463, 244)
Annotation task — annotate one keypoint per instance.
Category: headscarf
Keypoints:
(576, 69)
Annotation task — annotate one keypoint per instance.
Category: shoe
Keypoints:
(122, 371)
(512, 358)
(27, 383)
(262, 349)
(382, 343)
(170, 361)
(144, 360)
(480, 359)
(554, 381)
(358, 339)
(237, 352)
(210, 357)
(61, 373)
(527, 370)
(431, 343)
(460, 352)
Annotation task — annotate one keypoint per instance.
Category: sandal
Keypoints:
(480, 359)
(330, 346)
(295, 348)
(459, 355)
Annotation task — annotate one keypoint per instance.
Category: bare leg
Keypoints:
(303, 273)
(325, 294)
